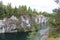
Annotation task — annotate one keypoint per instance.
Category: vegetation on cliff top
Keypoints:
(8, 11)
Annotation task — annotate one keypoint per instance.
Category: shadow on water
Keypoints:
(14, 36)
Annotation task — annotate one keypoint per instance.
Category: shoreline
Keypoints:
(51, 38)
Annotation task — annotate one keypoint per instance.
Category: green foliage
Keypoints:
(2, 12)
(21, 29)
(55, 32)
(8, 11)
(55, 24)
(22, 10)
(54, 35)
(31, 36)
(29, 11)
(33, 32)
(15, 12)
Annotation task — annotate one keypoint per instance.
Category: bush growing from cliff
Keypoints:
(21, 29)
(33, 32)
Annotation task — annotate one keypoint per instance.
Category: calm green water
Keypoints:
(14, 36)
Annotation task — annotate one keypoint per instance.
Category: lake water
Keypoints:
(14, 36)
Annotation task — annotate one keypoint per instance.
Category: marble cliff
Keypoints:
(13, 23)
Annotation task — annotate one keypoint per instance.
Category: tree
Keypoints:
(9, 10)
(56, 20)
(22, 10)
(1, 10)
(34, 12)
(29, 11)
(15, 12)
